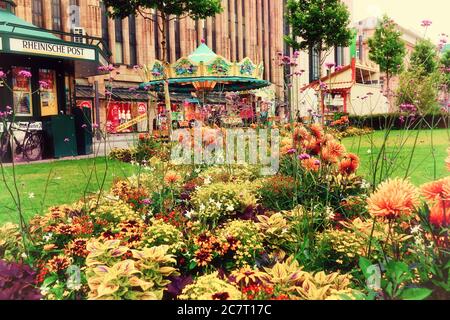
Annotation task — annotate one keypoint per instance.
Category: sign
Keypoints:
(23, 126)
(131, 123)
(142, 108)
(85, 104)
(51, 49)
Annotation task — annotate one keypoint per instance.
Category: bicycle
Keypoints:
(30, 147)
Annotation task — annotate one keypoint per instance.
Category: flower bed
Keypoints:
(314, 231)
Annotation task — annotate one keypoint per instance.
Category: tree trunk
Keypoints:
(166, 74)
(388, 91)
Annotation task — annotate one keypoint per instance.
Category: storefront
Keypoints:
(38, 71)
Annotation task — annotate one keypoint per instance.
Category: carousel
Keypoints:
(205, 76)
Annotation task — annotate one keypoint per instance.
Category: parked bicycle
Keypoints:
(30, 147)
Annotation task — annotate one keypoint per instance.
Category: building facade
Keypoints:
(245, 28)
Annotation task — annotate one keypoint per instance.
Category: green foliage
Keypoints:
(420, 88)
(320, 24)
(387, 48)
(396, 281)
(445, 61)
(424, 57)
(195, 9)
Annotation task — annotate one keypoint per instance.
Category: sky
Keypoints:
(409, 14)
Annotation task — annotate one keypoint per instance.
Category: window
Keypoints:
(177, 39)
(37, 13)
(56, 15)
(339, 58)
(74, 13)
(105, 30)
(156, 33)
(118, 52)
(133, 49)
(314, 65)
(244, 29)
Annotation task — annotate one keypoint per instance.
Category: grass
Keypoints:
(64, 182)
(61, 182)
(426, 161)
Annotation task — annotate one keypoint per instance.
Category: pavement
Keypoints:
(101, 147)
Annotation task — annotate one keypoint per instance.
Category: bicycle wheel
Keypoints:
(4, 143)
(32, 150)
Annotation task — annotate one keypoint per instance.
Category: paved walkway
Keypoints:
(112, 141)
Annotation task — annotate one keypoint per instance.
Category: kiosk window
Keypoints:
(22, 91)
(48, 93)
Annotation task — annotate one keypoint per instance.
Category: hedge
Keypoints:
(394, 121)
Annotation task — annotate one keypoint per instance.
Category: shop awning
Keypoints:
(18, 36)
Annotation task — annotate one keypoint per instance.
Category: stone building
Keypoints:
(246, 28)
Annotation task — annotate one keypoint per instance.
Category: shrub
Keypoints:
(277, 192)
(17, 282)
(217, 201)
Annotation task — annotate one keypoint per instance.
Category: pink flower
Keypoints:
(25, 74)
(44, 84)
(426, 23)
(329, 65)
(338, 68)
(66, 140)
(2, 75)
(95, 126)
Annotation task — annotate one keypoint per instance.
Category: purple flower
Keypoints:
(304, 156)
(339, 68)
(317, 162)
(147, 202)
(329, 65)
(84, 126)
(95, 126)
(2, 75)
(291, 151)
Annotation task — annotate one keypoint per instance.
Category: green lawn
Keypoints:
(48, 184)
(423, 151)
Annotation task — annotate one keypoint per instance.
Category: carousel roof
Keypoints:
(206, 69)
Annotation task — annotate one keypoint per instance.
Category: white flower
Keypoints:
(329, 213)
(202, 207)
(218, 205)
(365, 184)
(189, 214)
(48, 237)
(31, 195)
(230, 208)
(416, 229)
(58, 178)
(369, 151)
(24, 255)
(207, 180)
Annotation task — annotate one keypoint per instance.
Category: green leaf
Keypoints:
(192, 265)
(416, 294)
(364, 264)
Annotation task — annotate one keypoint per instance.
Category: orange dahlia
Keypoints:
(172, 177)
(317, 130)
(437, 190)
(393, 199)
(440, 214)
(311, 164)
(447, 161)
(349, 164)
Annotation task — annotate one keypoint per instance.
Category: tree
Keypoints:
(445, 62)
(424, 56)
(387, 49)
(164, 12)
(418, 88)
(319, 25)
